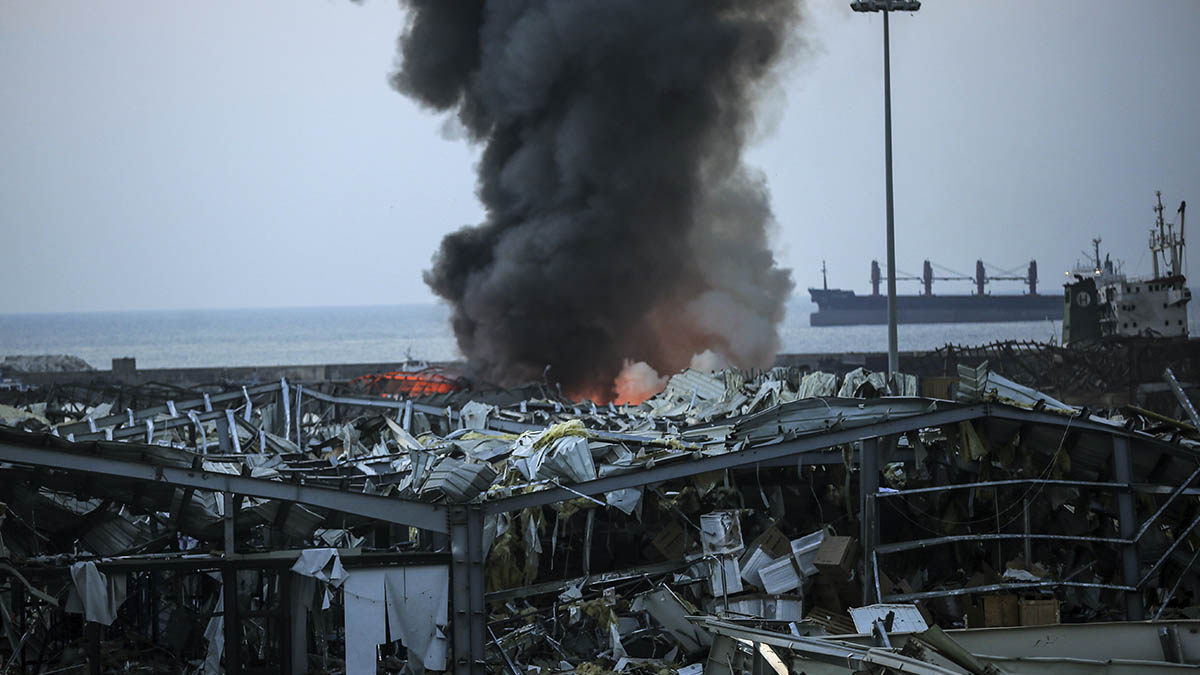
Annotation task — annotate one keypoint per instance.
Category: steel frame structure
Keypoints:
(464, 522)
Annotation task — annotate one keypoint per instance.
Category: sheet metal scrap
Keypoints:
(1077, 648)
(1003, 516)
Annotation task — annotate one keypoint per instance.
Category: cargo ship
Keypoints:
(838, 307)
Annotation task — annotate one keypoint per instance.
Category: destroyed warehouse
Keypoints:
(788, 520)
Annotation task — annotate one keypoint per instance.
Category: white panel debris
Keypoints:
(721, 532)
(901, 618)
(94, 594)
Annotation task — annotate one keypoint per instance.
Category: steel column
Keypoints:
(283, 591)
(868, 515)
(1028, 541)
(230, 542)
(1127, 521)
(17, 591)
(233, 627)
(92, 631)
(468, 618)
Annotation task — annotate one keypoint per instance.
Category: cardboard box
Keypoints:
(836, 556)
(670, 542)
(939, 387)
(1038, 611)
(833, 593)
(999, 610)
(826, 595)
(995, 610)
(772, 542)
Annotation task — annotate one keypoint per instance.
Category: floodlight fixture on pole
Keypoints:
(886, 6)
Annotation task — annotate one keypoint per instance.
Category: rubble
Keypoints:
(735, 521)
(43, 363)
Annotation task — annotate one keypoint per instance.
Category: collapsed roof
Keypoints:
(1024, 493)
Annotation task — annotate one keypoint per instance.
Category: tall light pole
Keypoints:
(886, 6)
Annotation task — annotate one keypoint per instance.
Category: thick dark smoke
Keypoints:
(621, 223)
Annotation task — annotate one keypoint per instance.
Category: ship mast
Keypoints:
(824, 277)
(1182, 242)
(1165, 245)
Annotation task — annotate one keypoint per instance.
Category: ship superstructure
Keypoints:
(1102, 302)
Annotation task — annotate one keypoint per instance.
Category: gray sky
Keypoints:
(243, 154)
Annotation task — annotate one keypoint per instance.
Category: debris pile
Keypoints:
(43, 363)
(735, 519)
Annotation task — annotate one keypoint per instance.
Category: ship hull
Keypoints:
(843, 308)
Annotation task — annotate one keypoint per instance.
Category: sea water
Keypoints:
(285, 336)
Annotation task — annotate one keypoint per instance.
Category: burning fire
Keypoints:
(638, 381)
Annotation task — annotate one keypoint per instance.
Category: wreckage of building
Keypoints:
(769, 522)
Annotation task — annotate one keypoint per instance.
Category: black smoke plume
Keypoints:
(621, 223)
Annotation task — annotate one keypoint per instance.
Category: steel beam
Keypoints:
(599, 579)
(732, 459)
(830, 457)
(1001, 483)
(1006, 587)
(225, 442)
(897, 547)
(388, 509)
(274, 560)
(389, 404)
(1180, 537)
(140, 431)
(182, 406)
(1181, 489)
(299, 415)
(1182, 397)
(1076, 422)
(1127, 523)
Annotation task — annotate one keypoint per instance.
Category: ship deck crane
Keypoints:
(980, 278)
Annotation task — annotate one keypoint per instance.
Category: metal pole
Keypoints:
(893, 349)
